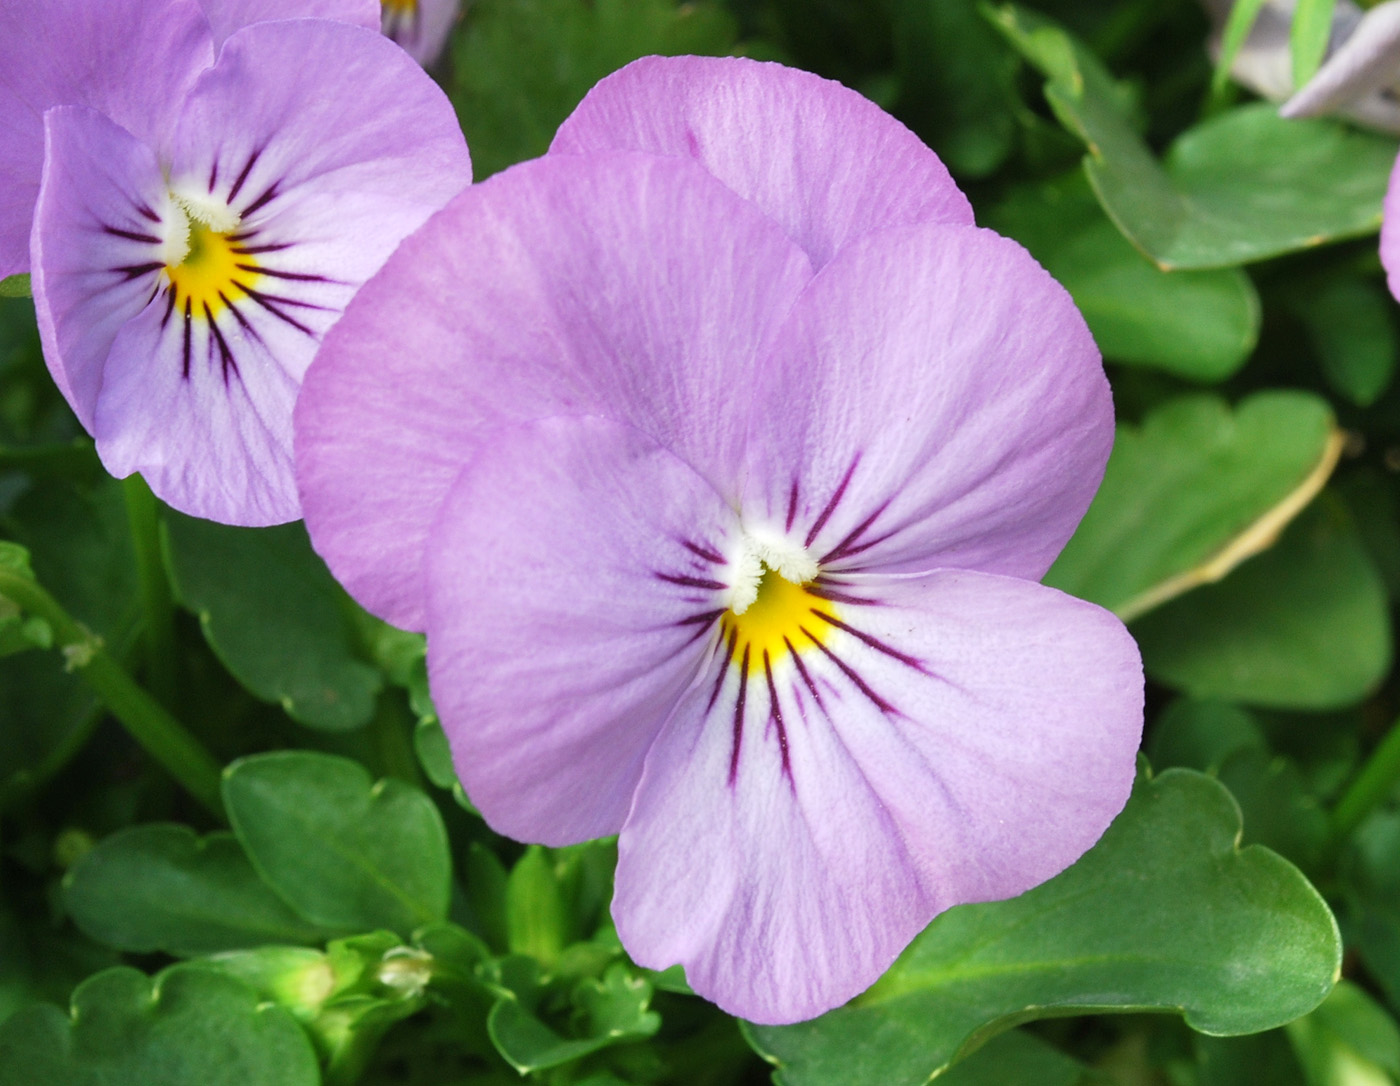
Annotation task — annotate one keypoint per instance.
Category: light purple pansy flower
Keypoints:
(129, 59)
(184, 273)
(735, 555)
(420, 26)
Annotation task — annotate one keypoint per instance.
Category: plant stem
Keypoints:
(158, 607)
(164, 738)
(1376, 780)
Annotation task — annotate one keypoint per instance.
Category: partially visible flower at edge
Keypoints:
(734, 552)
(183, 277)
(420, 26)
(1359, 76)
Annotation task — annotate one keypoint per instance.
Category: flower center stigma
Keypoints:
(773, 611)
(400, 7)
(204, 261)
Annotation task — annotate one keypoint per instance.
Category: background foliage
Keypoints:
(318, 902)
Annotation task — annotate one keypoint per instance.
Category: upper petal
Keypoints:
(561, 629)
(227, 16)
(133, 60)
(627, 285)
(958, 737)
(935, 399)
(311, 104)
(824, 161)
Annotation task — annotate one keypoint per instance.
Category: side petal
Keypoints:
(628, 285)
(101, 218)
(567, 614)
(133, 60)
(824, 161)
(228, 16)
(963, 737)
(938, 401)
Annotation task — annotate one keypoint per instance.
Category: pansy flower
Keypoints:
(185, 272)
(420, 26)
(736, 556)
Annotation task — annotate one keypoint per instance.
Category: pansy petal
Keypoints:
(1390, 232)
(630, 285)
(962, 738)
(935, 400)
(227, 16)
(420, 26)
(133, 60)
(203, 409)
(564, 575)
(824, 161)
(1366, 62)
(101, 217)
(311, 102)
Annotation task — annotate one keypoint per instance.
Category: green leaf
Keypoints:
(536, 919)
(1016, 1058)
(616, 1006)
(1349, 323)
(1200, 325)
(1348, 1040)
(523, 65)
(1240, 187)
(274, 615)
(1373, 900)
(1278, 810)
(1308, 37)
(161, 888)
(1202, 734)
(1164, 913)
(1305, 625)
(15, 286)
(343, 852)
(186, 1025)
(1193, 492)
(613, 1010)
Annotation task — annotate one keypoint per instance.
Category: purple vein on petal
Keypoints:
(791, 507)
(775, 717)
(703, 552)
(806, 675)
(723, 669)
(130, 235)
(243, 177)
(850, 673)
(848, 546)
(874, 642)
(687, 581)
(833, 503)
(739, 717)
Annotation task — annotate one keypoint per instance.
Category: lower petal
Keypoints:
(955, 737)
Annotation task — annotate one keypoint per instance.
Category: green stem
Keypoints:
(164, 738)
(158, 628)
(1372, 785)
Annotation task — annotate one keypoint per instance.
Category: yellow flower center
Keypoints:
(784, 618)
(214, 272)
(401, 7)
